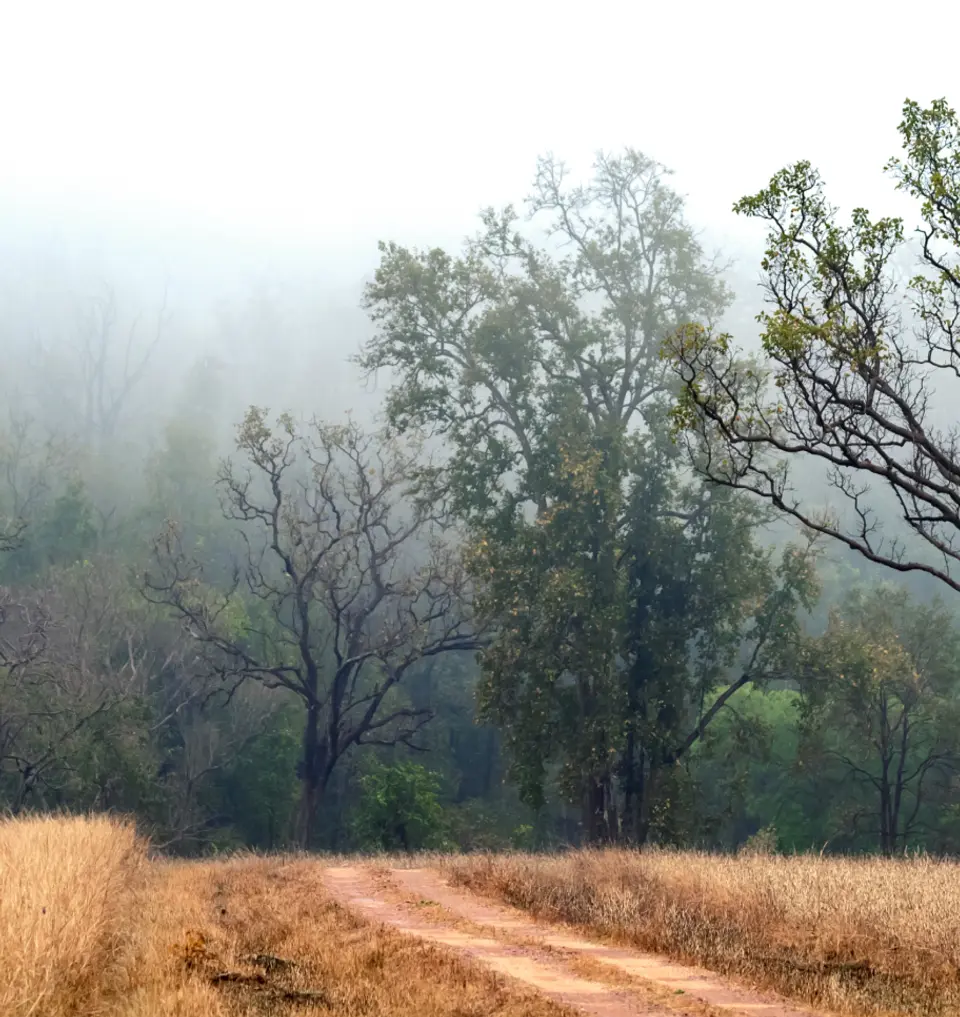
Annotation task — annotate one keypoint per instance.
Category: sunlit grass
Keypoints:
(866, 936)
(89, 927)
(67, 903)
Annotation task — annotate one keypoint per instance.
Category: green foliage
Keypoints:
(182, 472)
(399, 809)
(68, 532)
(555, 620)
(62, 531)
(743, 777)
(881, 713)
(114, 763)
(860, 755)
(806, 243)
(259, 786)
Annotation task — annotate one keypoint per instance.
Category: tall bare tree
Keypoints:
(346, 581)
(104, 365)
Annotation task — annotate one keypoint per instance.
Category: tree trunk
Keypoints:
(898, 789)
(594, 819)
(488, 762)
(886, 847)
(641, 825)
(631, 786)
(612, 814)
(313, 776)
(310, 795)
(649, 788)
(885, 759)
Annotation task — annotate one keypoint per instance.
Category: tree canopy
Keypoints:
(541, 373)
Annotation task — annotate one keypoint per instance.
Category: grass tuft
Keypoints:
(68, 891)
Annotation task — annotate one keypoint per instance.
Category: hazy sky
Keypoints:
(337, 124)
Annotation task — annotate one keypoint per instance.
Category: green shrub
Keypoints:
(399, 809)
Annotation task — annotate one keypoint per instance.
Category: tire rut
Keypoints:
(356, 888)
(704, 986)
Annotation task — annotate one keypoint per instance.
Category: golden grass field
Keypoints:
(89, 925)
(860, 936)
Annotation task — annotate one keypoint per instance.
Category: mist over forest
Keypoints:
(478, 537)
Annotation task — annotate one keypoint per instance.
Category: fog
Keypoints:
(222, 151)
(206, 184)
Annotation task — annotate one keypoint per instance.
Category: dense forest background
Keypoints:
(478, 592)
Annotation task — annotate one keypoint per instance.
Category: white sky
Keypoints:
(342, 123)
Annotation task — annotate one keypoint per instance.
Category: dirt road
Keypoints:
(592, 977)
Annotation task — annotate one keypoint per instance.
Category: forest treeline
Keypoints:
(594, 574)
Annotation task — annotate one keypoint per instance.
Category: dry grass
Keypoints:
(67, 896)
(864, 936)
(260, 936)
(90, 928)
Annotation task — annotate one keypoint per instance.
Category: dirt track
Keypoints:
(419, 902)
